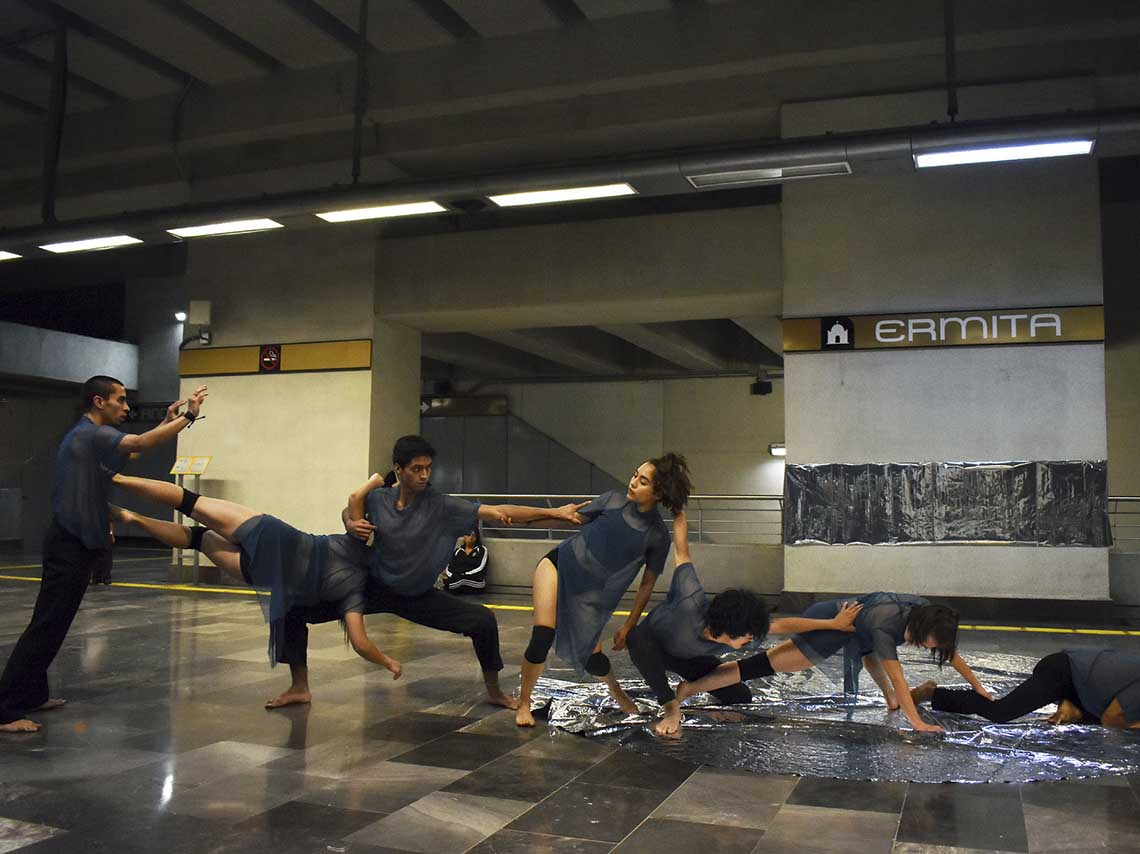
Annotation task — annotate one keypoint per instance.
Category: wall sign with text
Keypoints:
(974, 328)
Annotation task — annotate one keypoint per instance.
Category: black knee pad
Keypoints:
(755, 667)
(189, 499)
(737, 694)
(541, 639)
(196, 534)
(598, 665)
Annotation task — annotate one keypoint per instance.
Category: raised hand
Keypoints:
(195, 400)
(569, 512)
(172, 410)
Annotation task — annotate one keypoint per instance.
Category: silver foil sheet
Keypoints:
(1043, 503)
(801, 723)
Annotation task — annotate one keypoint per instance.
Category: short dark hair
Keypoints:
(98, 386)
(407, 448)
(671, 483)
(737, 613)
(939, 622)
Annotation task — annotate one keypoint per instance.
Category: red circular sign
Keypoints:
(270, 358)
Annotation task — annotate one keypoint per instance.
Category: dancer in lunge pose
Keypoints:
(578, 584)
(688, 632)
(297, 568)
(413, 529)
(1101, 685)
(886, 621)
(79, 538)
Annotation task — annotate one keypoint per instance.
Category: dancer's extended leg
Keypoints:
(599, 666)
(545, 616)
(220, 516)
(221, 552)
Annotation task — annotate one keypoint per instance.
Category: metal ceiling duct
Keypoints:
(1115, 133)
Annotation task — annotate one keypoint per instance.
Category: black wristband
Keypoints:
(189, 416)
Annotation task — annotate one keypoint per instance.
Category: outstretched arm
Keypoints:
(137, 443)
(844, 621)
(959, 664)
(681, 554)
(902, 697)
(363, 646)
(515, 514)
(644, 591)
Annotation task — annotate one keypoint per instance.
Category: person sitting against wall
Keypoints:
(688, 632)
(1093, 685)
(467, 569)
(886, 621)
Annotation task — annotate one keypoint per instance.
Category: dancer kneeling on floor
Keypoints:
(297, 568)
(1093, 685)
(687, 633)
(579, 583)
(886, 621)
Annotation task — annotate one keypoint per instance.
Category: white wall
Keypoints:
(721, 428)
(958, 238)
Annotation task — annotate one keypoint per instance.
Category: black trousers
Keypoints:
(67, 571)
(1051, 682)
(653, 661)
(434, 609)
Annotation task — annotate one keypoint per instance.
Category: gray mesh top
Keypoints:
(1103, 675)
(678, 623)
(87, 459)
(597, 565)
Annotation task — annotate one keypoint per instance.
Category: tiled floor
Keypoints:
(164, 747)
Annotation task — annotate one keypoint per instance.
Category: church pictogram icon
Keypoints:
(837, 333)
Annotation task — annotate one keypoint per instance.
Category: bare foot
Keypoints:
(670, 724)
(923, 692)
(54, 703)
(21, 726)
(292, 697)
(1067, 713)
(498, 698)
(523, 717)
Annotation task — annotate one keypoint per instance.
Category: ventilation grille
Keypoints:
(739, 177)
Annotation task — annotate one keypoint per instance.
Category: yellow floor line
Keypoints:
(245, 591)
(117, 561)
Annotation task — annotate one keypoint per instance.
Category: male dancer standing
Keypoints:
(79, 538)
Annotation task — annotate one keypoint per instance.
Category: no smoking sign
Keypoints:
(270, 362)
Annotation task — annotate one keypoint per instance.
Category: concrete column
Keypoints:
(395, 390)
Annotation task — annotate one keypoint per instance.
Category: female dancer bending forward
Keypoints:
(1086, 684)
(579, 583)
(886, 621)
(297, 568)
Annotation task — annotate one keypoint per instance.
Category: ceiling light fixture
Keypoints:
(778, 450)
(568, 194)
(8, 256)
(383, 211)
(1000, 153)
(240, 226)
(771, 175)
(92, 243)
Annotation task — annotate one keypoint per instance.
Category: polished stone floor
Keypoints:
(164, 747)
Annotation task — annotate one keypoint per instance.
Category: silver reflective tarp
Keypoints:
(801, 723)
(1040, 503)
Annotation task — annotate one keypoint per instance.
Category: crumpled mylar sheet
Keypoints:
(801, 723)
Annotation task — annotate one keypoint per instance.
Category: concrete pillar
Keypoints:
(395, 390)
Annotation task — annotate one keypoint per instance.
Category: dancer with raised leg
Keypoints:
(413, 529)
(297, 568)
(886, 621)
(1098, 685)
(79, 538)
(688, 632)
(578, 584)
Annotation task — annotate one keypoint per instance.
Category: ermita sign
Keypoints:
(973, 328)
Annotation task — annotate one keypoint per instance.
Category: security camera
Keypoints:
(761, 387)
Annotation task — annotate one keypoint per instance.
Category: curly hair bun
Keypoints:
(671, 481)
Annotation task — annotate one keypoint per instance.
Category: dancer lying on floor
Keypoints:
(1086, 684)
(297, 568)
(578, 584)
(886, 621)
(687, 633)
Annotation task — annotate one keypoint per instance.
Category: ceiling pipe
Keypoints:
(655, 175)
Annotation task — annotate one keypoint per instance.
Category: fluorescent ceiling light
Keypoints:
(773, 175)
(778, 450)
(8, 256)
(999, 153)
(383, 211)
(569, 194)
(180, 316)
(92, 243)
(240, 226)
